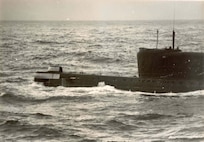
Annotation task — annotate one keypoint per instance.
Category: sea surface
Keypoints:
(32, 112)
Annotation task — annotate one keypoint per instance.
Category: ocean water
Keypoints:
(32, 112)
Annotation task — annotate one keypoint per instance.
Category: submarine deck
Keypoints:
(159, 85)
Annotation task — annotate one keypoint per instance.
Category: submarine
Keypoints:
(159, 71)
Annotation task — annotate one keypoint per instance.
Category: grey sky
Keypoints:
(99, 10)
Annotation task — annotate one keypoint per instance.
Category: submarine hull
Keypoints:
(122, 83)
(160, 70)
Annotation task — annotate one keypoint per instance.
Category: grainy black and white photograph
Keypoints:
(101, 71)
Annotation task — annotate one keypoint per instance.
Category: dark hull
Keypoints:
(122, 83)
(160, 70)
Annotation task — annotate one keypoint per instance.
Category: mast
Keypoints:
(157, 38)
(173, 40)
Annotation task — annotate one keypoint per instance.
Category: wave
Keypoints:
(147, 116)
(41, 115)
(15, 80)
(9, 97)
(46, 131)
(70, 98)
(99, 59)
(12, 98)
(96, 45)
(187, 138)
(10, 123)
(14, 126)
(102, 58)
(48, 42)
(117, 124)
(37, 115)
(4, 74)
(76, 94)
(128, 122)
(39, 131)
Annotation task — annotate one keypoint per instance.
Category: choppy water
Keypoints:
(32, 112)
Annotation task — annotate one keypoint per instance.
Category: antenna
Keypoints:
(173, 15)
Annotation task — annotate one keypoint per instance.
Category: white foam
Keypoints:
(170, 94)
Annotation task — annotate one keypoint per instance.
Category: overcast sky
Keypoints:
(99, 10)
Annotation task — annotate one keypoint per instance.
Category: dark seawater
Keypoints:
(32, 112)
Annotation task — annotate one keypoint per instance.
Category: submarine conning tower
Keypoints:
(170, 63)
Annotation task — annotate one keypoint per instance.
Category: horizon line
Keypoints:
(100, 20)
